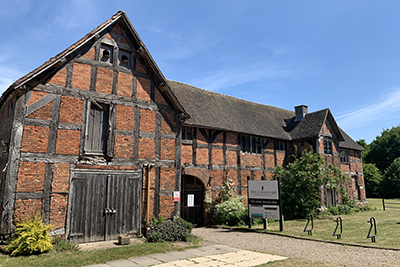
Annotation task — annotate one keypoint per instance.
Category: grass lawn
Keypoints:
(355, 230)
(355, 227)
(80, 258)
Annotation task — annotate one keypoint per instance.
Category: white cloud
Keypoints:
(383, 111)
(248, 73)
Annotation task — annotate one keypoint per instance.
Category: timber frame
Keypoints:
(45, 119)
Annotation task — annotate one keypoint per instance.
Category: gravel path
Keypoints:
(331, 254)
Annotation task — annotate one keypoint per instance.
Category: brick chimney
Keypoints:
(301, 111)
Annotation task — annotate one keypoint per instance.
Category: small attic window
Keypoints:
(106, 55)
(124, 61)
(124, 58)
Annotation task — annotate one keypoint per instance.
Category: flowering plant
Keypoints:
(226, 204)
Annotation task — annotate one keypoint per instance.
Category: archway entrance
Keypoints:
(192, 208)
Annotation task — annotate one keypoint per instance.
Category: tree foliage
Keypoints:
(300, 182)
(384, 149)
(372, 179)
(390, 184)
(364, 144)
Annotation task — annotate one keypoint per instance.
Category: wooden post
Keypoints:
(148, 196)
(383, 203)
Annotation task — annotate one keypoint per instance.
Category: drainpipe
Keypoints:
(148, 168)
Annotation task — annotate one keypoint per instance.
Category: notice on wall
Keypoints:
(190, 200)
(176, 196)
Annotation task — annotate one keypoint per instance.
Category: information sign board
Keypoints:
(264, 199)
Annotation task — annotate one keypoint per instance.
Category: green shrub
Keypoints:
(186, 224)
(345, 209)
(168, 231)
(333, 210)
(30, 237)
(154, 221)
(229, 211)
(60, 244)
(348, 206)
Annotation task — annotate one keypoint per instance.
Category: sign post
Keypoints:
(264, 200)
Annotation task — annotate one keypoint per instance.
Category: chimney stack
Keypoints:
(301, 111)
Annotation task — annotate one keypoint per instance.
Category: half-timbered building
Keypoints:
(96, 141)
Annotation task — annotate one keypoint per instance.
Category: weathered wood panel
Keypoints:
(104, 204)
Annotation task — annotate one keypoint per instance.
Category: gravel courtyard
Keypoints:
(331, 254)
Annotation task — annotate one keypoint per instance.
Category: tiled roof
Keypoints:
(217, 111)
(309, 127)
(349, 142)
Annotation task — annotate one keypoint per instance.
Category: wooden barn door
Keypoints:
(104, 205)
(192, 200)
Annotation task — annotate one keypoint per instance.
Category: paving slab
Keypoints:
(163, 257)
(184, 263)
(209, 256)
(122, 263)
(180, 255)
(145, 261)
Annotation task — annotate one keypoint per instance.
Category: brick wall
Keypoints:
(152, 136)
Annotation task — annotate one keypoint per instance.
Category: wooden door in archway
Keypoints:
(192, 208)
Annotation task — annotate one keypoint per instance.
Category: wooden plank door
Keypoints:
(103, 205)
(87, 207)
(192, 209)
(123, 205)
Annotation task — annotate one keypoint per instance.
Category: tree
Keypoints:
(300, 181)
(372, 179)
(391, 180)
(364, 144)
(384, 149)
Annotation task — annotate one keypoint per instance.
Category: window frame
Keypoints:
(187, 133)
(280, 145)
(250, 144)
(106, 135)
(328, 146)
(346, 157)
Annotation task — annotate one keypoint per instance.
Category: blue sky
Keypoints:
(341, 55)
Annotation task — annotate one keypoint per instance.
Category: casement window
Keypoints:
(97, 128)
(187, 133)
(280, 145)
(250, 144)
(344, 156)
(328, 146)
